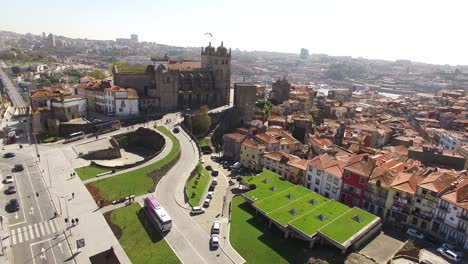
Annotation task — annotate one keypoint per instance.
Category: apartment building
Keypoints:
(251, 154)
(290, 167)
(324, 175)
(356, 174)
(278, 140)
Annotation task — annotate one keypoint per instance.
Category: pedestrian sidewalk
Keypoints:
(164, 153)
(6, 256)
(92, 227)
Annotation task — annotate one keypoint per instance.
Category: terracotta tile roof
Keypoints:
(459, 195)
(42, 93)
(252, 143)
(360, 164)
(236, 136)
(329, 164)
(438, 181)
(184, 64)
(277, 136)
(300, 164)
(407, 181)
(132, 93)
(87, 79)
(276, 118)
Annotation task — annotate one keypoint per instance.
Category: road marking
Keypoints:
(20, 237)
(25, 233)
(34, 191)
(31, 233)
(42, 229)
(37, 230)
(13, 236)
(47, 228)
(52, 226)
(60, 246)
(43, 256)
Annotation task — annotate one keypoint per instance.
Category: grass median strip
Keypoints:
(139, 238)
(196, 185)
(89, 172)
(252, 238)
(136, 182)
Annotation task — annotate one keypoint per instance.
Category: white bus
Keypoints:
(157, 215)
(74, 136)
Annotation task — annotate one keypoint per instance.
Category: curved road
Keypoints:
(187, 238)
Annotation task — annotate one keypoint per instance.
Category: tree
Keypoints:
(97, 74)
(201, 122)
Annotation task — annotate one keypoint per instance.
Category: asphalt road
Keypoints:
(187, 238)
(15, 97)
(34, 232)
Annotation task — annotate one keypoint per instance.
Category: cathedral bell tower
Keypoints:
(219, 61)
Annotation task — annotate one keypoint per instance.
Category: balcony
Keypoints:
(444, 208)
(423, 215)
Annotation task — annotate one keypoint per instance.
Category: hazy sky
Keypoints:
(426, 31)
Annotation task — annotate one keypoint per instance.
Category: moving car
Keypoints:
(198, 210)
(414, 233)
(18, 167)
(11, 189)
(9, 179)
(214, 242)
(9, 155)
(206, 203)
(231, 183)
(214, 173)
(449, 254)
(208, 167)
(216, 228)
(13, 205)
(210, 195)
(176, 130)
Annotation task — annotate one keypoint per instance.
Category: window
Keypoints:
(319, 172)
(415, 221)
(336, 181)
(317, 181)
(328, 187)
(355, 201)
(311, 168)
(418, 200)
(362, 180)
(358, 191)
(329, 178)
(346, 174)
(316, 190)
(345, 186)
(309, 177)
(424, 191)
(334, 190)
(122, 103)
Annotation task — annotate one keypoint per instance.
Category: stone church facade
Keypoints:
(174, 85)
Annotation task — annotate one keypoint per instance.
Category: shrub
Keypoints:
(253, 186)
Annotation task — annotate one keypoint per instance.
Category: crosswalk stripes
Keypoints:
(25, 233)
(13, 237)
(33, 231)
(36, 229)
(42, 229)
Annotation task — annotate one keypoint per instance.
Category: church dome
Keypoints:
(210, 49)
(222, 50)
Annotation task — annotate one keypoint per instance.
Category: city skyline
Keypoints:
(417, 31)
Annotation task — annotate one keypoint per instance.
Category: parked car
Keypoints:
(214, 173)
(214, 182)
(210, 195)
(198, 210)
(414, 233)
(176, 130)
(9, 179)
(11, 189)
(206, 203)
(214, 242)
(231, 183)
(216, 228)
(211, 188)
(202, 160)
(213, 157)
(208, 167)
(13, 205)
(9, 155)
(449, 254)
(452, 248)
(18, 167)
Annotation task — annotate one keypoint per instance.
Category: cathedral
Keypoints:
(169, 85)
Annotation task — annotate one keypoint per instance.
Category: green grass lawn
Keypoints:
(301, 206)
(197, 185)
(45, 138)
(136, 182)
(281, 199)
(89, 172)
(310, 223)
(252, 238)
(345, 227)
(139, 238)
